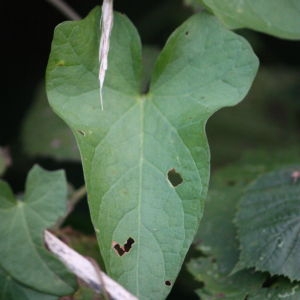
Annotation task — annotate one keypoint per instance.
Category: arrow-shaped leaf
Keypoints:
(22, 223)
(146, 157)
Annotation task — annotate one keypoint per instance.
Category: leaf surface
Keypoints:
(146, 156)
(268, 224)
(13, 290)
(282, 289)
(280, 18)
(22, 224)
(216, 239)
(217, 234)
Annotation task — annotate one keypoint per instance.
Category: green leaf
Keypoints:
(134, 149)
(22, 224)
(268, 224)
(44, 134)
(216, 239)
(282, 289)
(280, 18)
(13, 290)
(218, 285)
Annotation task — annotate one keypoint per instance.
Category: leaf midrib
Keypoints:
(141, 162)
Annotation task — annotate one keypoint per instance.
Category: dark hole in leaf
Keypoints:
(128, 244)
(81, 132)
(187, 33)
(121, 250)
(168, 282)
(174, 177)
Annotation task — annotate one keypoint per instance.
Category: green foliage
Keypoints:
(131, 150)
(266, 117)
(24, 261)
(218, 237)
(10, 289)
(45, 134)
(282, 289)
(280, 18)
(268, 224)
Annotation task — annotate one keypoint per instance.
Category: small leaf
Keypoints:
(22, 224)
(268, 224)
(13, 290)
(129, 149)
(280, 18)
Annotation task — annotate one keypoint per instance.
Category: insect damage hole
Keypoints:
(121, 250)
(168, 282)
(174, 177)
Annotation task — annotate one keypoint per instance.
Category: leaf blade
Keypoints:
(129, 149)
(22, 226)
(270, 242)
(276, 17)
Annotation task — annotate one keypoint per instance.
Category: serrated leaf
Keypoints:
(268, 224)
(282, 289)
(22, 224)
(280, 18)
(45, 134)
(218, 285)
(216, 239)
(13, 290)
(139, 144)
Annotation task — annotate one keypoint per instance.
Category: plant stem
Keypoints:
(65, 9)
(75, 197)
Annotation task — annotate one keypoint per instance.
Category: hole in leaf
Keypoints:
(81, 132)
(174, 177)
(128, 244)
(187, 33)
(168, 282)
(121, 250)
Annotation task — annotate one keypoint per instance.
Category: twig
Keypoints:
(85, 270)
(75, 197)
(65, 9)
